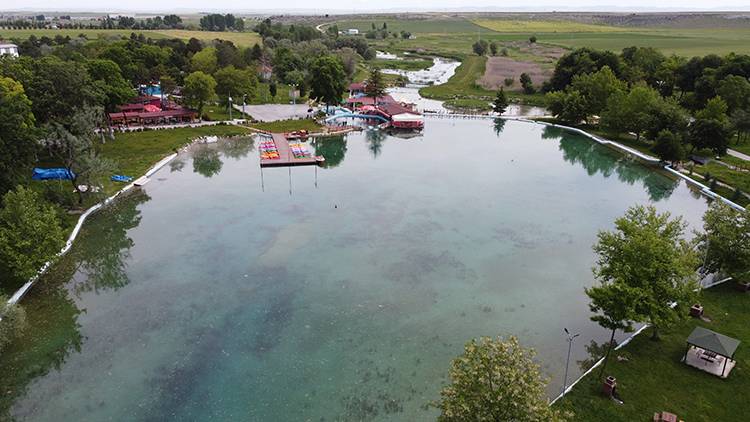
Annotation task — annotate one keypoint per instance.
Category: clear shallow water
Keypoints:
(225, 293)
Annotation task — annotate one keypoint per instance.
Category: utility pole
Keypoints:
(567, 362)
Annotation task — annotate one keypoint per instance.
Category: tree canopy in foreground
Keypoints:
(495, 380)
(647, 255)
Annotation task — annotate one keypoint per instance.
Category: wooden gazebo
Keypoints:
(711, 352)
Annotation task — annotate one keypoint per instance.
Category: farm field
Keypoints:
(244, 39)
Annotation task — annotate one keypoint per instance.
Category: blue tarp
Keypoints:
(52, 174)
(121, 178)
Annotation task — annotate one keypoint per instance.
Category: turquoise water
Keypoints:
(223, 292)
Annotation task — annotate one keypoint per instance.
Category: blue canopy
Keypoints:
(52, 174)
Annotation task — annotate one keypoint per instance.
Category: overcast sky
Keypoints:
(358, 6)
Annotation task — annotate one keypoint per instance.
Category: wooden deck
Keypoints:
(286, 158)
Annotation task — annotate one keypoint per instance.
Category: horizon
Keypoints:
(362, 7)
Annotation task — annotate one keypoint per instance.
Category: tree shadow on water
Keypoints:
(207, 161)
(333, 148)
(599, 159)
(101, 253)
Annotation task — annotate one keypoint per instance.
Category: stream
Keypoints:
(439, 73)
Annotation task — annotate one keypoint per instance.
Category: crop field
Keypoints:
(244, 39)
(512, 25)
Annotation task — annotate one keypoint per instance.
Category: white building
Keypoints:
(10, 49)
(352, 31)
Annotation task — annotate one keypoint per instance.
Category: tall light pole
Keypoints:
(567, 362)
(230, 106)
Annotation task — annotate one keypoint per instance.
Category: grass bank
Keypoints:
(653, 379)
(136, 152)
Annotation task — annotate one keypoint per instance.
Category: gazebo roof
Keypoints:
(713, 341)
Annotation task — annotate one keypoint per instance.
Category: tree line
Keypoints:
(120, 22)
(679, 105)
(219, 22)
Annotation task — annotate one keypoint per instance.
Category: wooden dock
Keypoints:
(286, 158)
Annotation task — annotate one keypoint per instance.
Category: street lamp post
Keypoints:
(567, 362)
(294, 93)
(244, 114)
(230, 106)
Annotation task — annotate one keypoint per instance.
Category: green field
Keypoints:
(463, 83)
(653, 379)
(430, 35)
(415, 26)
(238, 38)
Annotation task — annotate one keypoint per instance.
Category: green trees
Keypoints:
(527, 84)
(501, 102)
(613, 305)
(480, 47)
(108, 79)
(204, 61)
(375, 85)
(17, 133)
(725, 243)
(596, 88)
(73, 144)
(669, 147)
(328, 80)
(199, 89)
(495, 380)
(570, 107)
(586, 96)
(647, 255)
(30, 234)
(493, 48)
(231, 81)
(710, 134)
(630, 112)
(56, 87)
(735, 90)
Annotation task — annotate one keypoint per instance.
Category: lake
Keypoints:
(223, 292)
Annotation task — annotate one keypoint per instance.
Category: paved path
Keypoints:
(738, 154)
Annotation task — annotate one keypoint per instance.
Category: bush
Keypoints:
(509, 81)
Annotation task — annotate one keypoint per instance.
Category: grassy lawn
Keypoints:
(654, 379)
(736, 178)
(263, 95)
(469, 104)
(288, 125)
(136, 152)
(219, 113)
(245, 39)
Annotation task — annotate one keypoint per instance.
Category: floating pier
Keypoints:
(285, 156)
